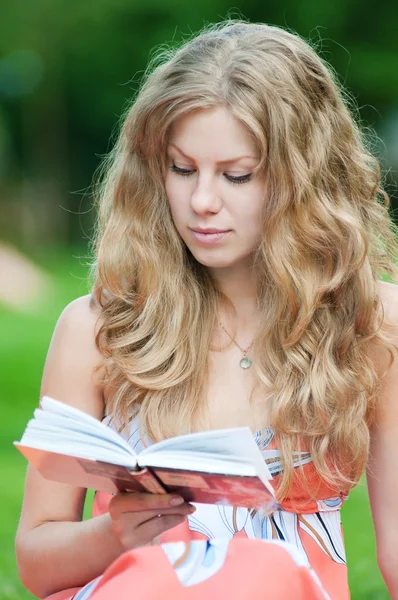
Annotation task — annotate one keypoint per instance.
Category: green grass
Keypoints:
(24, 342)
(23, 345)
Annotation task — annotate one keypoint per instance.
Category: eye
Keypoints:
(231, 178)
(240, 178)
(179, 171)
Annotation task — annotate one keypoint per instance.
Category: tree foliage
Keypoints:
(69, 68)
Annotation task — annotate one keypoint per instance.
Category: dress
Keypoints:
(220, 548)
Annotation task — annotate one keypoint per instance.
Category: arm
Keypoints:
(55, 549)
(50, 531)
(382, 473)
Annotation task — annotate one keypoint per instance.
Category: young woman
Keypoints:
(242, 234)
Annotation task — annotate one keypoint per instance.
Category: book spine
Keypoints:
(149, 481)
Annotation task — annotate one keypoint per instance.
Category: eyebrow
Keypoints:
(219, 162)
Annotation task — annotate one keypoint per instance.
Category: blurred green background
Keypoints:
(67, 70)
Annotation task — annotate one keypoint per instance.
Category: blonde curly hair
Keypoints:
(326, 238)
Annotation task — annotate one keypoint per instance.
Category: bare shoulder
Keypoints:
(381, 355)
(77, 327)
(72, 371)
(387, 362)
(389, 297)
(84, 309)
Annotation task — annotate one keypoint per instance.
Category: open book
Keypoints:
(219, 466)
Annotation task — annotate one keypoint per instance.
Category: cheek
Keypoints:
(178, 203)
(248, 212)
(172, 196)
(168, 189)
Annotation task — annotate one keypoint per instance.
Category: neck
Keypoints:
(239, 285)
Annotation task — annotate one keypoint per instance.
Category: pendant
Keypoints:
(245, 362)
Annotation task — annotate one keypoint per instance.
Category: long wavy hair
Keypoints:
(326, 238)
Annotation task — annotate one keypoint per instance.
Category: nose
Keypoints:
(205, 198)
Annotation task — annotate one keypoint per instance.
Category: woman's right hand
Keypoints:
(139, 517)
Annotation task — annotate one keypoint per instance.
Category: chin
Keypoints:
(214, 262)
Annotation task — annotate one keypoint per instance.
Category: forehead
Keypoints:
(214, 134)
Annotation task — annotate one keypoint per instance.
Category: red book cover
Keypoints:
(213, 488)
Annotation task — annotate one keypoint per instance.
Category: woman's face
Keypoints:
(215, 199)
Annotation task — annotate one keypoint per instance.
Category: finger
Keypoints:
(149, 530)
(183, 509)
(133, 519)
(139, 501)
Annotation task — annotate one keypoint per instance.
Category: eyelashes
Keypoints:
(236, 180)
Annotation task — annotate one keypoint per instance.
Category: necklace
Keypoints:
(245, 362)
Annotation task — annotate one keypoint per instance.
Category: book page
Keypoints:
(58, 427)
(198, 461)
(51, 405)
(98, 432)
(51, 409)
(235, 445)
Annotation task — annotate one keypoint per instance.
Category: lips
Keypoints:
(209, 230)
(210, 235)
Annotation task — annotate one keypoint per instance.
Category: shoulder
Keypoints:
(73, 369)
(82, 312)
(386, 359)
(77, 327)
(380, 354)
(388, 293)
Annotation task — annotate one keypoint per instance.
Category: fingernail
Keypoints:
(192, 509)
(176, 500)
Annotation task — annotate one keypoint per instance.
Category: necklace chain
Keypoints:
(246, 361)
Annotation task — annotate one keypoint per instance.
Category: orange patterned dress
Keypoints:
(296, 553)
